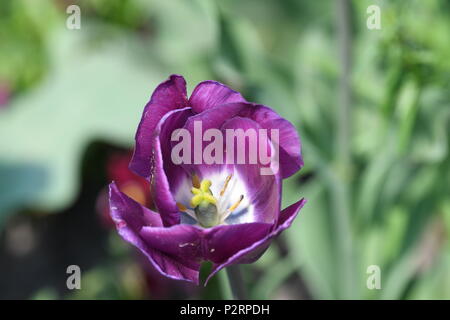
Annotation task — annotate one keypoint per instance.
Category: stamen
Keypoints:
(181, 206)
(195, 180)
(227, 213)
(234, 206)
(225, 185)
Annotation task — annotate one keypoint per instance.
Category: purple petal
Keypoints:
(289, 142)
(212, 118)
(163, 171)
(223, 242)
(256, 249)
(288, 215)
(176, 120)
(168, 96)
(130, 216)
(290, 147)
(209, 94)
(134, 223)
(180, 242)
(264, 190)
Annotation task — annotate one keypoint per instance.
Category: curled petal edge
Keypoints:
(253, 252)
(123, 208)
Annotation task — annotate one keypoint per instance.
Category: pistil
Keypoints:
(206, 207)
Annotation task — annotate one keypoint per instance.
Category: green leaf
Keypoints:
(309, 240)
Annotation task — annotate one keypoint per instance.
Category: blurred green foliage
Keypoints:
(388, 204)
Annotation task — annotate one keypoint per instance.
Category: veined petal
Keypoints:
(252, 252)
(133, 223)
(209, 94)
(168, 96)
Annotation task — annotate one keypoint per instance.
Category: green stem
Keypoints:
(233, 287)
(341, 193)
(225, 286)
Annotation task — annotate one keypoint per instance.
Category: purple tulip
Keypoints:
(224, 213)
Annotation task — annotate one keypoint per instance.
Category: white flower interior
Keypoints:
(231, 199)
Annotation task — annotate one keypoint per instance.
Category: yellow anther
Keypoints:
(196, 190)
(227, 180)
(181, 207)
(234, 206)
(205, 185)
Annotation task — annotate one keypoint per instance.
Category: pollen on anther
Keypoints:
(181, 207)
(195, 181)
(224, 188)
(234, 206)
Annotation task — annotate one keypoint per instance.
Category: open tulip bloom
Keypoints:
(212, 204)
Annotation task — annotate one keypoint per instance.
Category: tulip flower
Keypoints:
(226, 212)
